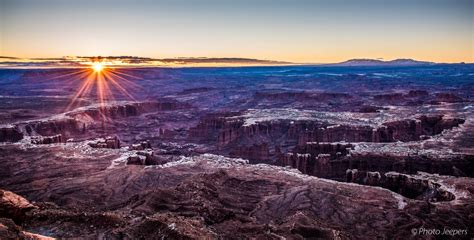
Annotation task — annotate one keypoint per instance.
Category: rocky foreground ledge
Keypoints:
(214, 197)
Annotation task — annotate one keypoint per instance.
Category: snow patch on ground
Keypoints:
(253, 116)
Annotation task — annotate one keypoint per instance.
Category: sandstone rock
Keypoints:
(232, 131)
(141, 146)
(53, 126)
(34, 236)
(209, 126)
(417, 93)
(315, 148)
(128, 109)
(317, 159)
(80, 120)
(109, 142)
(411, 186)
(143, 157)
(10, 134)
(412, 130)
(342, 158)
(136, 160)
(163, 148)
(167, 226)
(369, 109)
(393, 97)
(112, 142)
(416, 187)
(258, 152)
(46, 139)
(10, 231)
(318, 165)
(14, 206)
(210, 195)
(448, 97)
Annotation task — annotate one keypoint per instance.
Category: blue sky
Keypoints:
(299, 31)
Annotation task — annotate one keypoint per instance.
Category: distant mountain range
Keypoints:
(376, 62)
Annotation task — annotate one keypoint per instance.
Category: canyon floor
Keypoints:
(289, 152)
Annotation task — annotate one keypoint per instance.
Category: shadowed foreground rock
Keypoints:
(213, 197)
(13, 210)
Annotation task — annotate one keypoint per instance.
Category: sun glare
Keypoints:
(107, 81)
(98, 67)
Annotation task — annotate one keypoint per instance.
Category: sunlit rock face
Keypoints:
(238, 153)
(14, 206)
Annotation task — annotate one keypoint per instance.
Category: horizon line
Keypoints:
(136, 61)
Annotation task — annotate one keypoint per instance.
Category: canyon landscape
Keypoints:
(364, 149)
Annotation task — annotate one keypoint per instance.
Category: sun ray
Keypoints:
(86, 85)
(82, 71)
(102, 83)
(73, 79)
(118, 86)
(70, 79)
(120, 72)
(128, 83)
(128, 75)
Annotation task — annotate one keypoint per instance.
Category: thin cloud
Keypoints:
(81, 61)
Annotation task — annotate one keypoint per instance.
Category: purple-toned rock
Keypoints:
(141, 146)
(417, 93)
(109, 142)
(448, 97)
(420, 186)
(10, 134)
(46, 139)
(259, 152)
(392, 97)
(144, 157)
(136, 160)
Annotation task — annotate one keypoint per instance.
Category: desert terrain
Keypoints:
(279, 152)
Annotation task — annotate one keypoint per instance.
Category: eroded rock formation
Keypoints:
(143, 157)
(79, 121)
(141, 146)
(258, 141)
(418, 187)
(109, 142)
(391, 148)
(218, 197)
(46, 139)
(10, 134)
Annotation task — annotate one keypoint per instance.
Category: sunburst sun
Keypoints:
(97, 67)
